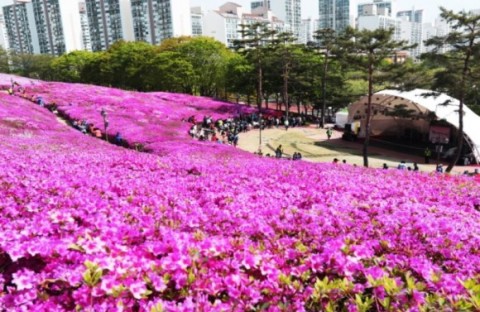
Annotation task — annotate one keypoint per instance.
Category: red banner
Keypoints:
(439, 134)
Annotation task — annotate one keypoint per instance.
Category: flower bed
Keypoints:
(90, 226)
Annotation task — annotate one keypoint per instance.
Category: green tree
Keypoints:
(69, 67)
(254, 45)
(239, 79)
(125, 64)
(169, 71)
(306, 77)
(4, 59)
(284, 48)
(171, 44)
(460, 71)
(32, 65)
(369, 51)
(209, 59)
(327, 44)
(91, 71)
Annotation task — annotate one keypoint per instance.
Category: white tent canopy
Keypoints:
(424, 102)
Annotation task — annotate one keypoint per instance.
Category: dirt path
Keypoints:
(312, 142)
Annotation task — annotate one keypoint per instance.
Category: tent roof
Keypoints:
(444, 107)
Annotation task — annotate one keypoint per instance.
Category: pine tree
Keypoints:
(460, 64)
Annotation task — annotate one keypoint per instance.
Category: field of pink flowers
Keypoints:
(152, 119)
(88, 226)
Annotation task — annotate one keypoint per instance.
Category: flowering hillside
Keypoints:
(152, 119)
(202, 227)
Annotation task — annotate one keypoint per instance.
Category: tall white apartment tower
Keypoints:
(197, 21)
(290, 12)
(306, 31)
(260, 4)
(415, 18)
(156, 20)
(57, 24)
(377, 7)
(3, 34)
(86, 39)
(336, 14)
(17, 26)
(109, 21)
(225, 23)
(43, 26)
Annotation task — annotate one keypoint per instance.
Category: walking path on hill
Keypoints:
(314, 145)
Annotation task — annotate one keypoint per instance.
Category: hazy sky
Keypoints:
(310, 7)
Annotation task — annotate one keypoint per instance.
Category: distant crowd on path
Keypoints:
(81, 125)
(438, 168)
(225, 131)
(280, 154)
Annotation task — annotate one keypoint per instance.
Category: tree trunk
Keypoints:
(465, 72)
(260, 85)
(324, 89)
(367, 121)
(285, 92)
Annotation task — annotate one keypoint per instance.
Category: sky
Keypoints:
(310, 7)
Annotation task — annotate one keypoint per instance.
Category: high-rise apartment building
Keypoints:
(439, 28)
(109, 21)
(336, 14)
(377, 7)
(197, 21)
(225, 23)
(260, 4)
(415, 18)
(43, 26)
(372, 22)
(306, 31)
(18, 27)
(85, 28)
(3, 34)
(55, 22)
(412, 15)
(156, 20)
(290, 12)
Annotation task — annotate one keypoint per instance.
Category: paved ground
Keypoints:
(312, 142)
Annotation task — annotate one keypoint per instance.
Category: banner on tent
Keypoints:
(439, 134)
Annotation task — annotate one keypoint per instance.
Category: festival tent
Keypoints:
(394, 111)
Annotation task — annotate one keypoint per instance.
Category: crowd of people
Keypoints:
(438, 168)
(225, 131)
(81, 125)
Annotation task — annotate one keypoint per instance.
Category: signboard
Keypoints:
(439, 134)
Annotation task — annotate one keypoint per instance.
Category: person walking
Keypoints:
(329, 133)
(279, 152)
(439, 168)
(427, 153)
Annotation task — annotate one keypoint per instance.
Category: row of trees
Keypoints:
(266, 66)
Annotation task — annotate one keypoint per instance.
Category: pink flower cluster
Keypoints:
(152, 119)
(201, 227)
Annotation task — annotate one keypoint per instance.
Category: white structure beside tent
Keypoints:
(341, 118)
